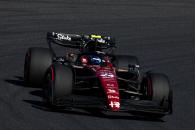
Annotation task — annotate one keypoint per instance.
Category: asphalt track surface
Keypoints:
(161, 33)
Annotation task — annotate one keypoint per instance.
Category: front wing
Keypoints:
(126, 105)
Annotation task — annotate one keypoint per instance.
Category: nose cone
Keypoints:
(110, 86)
(112, 93)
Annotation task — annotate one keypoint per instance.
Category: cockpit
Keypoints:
(94, 59)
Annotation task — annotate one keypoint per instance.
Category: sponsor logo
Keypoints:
(111, 91)
(114, 104)
(101, 40)
(113, 97)
(106, 75)
(110, 85)
(63, 37)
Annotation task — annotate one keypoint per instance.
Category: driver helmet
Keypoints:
(95, 60)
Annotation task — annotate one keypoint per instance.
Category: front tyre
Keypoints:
(156, 87)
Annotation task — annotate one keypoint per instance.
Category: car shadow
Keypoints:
(19, 82)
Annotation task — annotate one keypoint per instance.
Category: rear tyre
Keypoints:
(37, 61)
(60, 83)
(156, 87)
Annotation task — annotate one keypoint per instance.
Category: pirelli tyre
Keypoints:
(60, 83)
(37, 61)
(156, 87)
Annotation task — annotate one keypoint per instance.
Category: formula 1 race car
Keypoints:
(95, 77)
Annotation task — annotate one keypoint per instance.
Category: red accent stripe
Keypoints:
(52, 74)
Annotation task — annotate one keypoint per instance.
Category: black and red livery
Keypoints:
(95, 77)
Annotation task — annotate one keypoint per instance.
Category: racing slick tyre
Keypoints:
(156, 87)
(60, 83)
(124, 62)
(37, 61)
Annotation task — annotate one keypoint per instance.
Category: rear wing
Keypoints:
(66, 40)
(79, 41)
